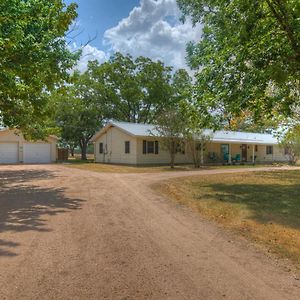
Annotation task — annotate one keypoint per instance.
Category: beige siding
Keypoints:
(8, 136)
(114, 147)
(114, 151)
(278, 154)
(163, 157)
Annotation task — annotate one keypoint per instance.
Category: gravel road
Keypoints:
(73, 234)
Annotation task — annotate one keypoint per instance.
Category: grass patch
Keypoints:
(112, 168)
(262, 206)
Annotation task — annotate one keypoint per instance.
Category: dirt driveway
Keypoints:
(73, 234)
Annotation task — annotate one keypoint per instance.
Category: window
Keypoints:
(156, 147)
(127, 146)
(101, 148)
(269, 150)
(256, 148)
(150, 147)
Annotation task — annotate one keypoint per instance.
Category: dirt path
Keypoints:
(72, 234)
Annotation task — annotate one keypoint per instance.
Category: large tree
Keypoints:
(80, 112)
(248, 56)
(34, 57)
(124, 89)
(136, 89)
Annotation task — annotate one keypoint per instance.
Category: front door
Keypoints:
(244, 152)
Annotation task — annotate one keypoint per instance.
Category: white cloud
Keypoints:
(89, 53)
(153, 30)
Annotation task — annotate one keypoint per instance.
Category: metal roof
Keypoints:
(137, 129)
(242, 137)
(147, 130)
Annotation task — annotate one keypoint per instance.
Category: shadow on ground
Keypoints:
(25, 206)
(8, 177)
(268, 203)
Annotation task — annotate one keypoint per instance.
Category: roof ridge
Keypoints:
(220, 130)
(132, 123)
(249, 132)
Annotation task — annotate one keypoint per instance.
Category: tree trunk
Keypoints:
(172, 153)
(172, 164)
(83, 147)
(196, 155)
(72, 149)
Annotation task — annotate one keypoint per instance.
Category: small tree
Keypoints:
(196, 147)
(183, 126)
(171, 127)
(291, 144)
(194, 133)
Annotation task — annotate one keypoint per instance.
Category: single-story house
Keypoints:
(15, 149)
(139, 144)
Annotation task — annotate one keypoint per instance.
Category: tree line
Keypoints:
(246, 64)
(125, 89)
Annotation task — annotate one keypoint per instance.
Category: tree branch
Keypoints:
(279, 12)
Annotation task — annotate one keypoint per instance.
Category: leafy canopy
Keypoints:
(136, 90)
(249, 54)
(33, 58)
(126, 89)
(80, 111)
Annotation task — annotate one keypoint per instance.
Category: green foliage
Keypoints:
(170, 127)
(136, 90)
(33, 59)
(194, 132)
(182, 127)
(248, 57)
(291, 143)
(80, 111)
(244, 121)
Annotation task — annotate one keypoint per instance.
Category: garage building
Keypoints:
(15, 149)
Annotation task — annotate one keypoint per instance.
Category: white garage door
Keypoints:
(9, 153)
(36, 153)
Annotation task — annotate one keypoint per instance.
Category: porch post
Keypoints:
(229, 154)
(253, 157)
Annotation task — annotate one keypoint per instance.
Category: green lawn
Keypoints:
(262, 206)
(113, 168)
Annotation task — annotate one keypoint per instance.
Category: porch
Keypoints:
(238, 153)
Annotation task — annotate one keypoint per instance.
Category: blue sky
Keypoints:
(96, 16)
(139, 27)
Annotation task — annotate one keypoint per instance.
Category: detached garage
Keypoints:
(9, 153)
(15, 149)
(36, 153)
